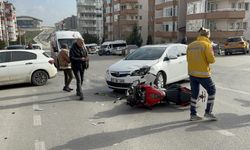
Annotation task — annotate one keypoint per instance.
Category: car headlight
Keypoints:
(107, 72)
(141, 72)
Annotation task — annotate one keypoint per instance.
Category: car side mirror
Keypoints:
(166, 59)
(170, 57)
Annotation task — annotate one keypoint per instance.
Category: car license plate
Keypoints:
(117, 80)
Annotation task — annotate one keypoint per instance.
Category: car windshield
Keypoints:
(146, 53)
(234, 40)
(104, 46)
(69, 42)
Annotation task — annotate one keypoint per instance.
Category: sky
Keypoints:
(50, 11)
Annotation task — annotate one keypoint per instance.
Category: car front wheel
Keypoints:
(160, 81)
(39, 78)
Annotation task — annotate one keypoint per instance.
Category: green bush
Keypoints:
(2, 44)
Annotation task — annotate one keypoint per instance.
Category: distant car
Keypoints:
(236, 44)
(167, 62)
(15, 47)
(26, 66)
(37, 46)
(92, 48)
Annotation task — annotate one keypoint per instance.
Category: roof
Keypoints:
(163, 45)
(18, 17)
(68, 34)
(24, 50)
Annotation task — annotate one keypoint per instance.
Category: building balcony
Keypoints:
(126, 1)
(165, 34)
(165, 19)
(129, 11)
(217, 34)
(165, 4)
(125, 22)
(189, 1)
(218, 14)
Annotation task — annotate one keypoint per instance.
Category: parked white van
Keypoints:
(62, 37)
(117, 47)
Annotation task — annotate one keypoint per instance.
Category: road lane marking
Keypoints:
(37, 121)
(233, 90)
(220, 131)
(39, 145)
(37, 108)
(34, 97)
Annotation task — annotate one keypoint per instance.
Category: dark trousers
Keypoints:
(209, 85)
(68, 76)
(79, 75)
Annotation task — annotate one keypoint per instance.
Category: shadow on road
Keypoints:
(106, 139)
(123, 109)
(244, 103)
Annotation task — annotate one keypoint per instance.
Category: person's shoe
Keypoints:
(70, 89)
(210, 117)
(66, 89)
(195, 118)
(81, 98)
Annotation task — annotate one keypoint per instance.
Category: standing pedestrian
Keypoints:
(79, 62)
(29, 46)
(64, 64)
(199, 55)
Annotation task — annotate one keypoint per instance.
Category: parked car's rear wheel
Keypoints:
(108, 53)
(39, 78)
(160, 80)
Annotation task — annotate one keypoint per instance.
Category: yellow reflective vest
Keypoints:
(199, 55)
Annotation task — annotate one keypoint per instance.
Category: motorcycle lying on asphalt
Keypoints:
(144, 93)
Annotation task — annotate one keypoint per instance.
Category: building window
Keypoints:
(233, 5)
(247, 6)
(231, 26)
(166, 27)
(245, 25)
(123, 7)
(140, 17)
(140, 6)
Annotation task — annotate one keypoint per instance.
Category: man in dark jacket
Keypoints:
(79, 62)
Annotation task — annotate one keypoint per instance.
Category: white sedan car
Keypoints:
(167, 62)
(25, 66)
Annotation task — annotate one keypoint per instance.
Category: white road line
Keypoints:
(233, 90)
(221, 131)
(39, 145)
(37, 121)
(34, 97)
(35, 107)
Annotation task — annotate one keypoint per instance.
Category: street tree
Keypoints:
(149, 40)
(89, 38)
(135, 37)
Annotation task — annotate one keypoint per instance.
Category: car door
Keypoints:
(171, 64)
(4, 64)
(182, 51)
(21, 66)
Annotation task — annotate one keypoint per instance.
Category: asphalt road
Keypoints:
(39, 118)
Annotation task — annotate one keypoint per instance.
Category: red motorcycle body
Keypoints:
(152, 95)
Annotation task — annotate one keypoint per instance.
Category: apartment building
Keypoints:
(224, 18)
(28, 23)
(122, 15)
(166, 21)
(246, 21)
(8, 25)
(90, 17)
(69, 23)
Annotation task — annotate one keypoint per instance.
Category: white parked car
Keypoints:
(167, 62)
(25, 66)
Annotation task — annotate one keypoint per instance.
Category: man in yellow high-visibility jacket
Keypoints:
(199, 55)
